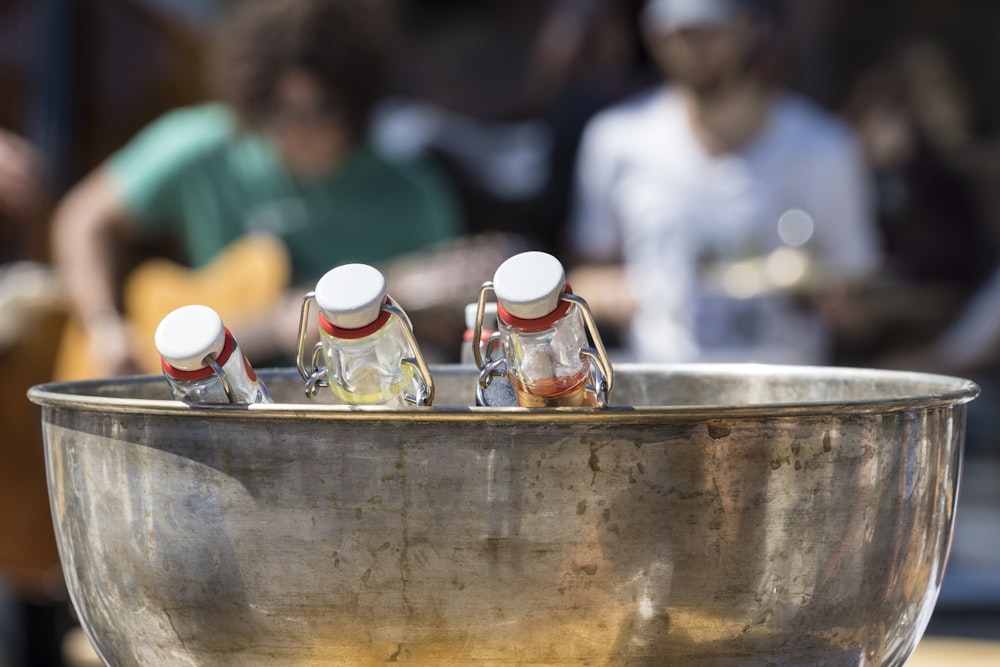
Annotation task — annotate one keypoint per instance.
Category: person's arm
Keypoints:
(973, 341)
(846, 236)
(845, 251)
(88, 227)
(594, 239)
(139, 189)
(273, 334)
(968, 346)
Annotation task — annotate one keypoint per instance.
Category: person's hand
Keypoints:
(607, 292)
(285, 323)
(22, 178)
(275, 332)
(112, 351)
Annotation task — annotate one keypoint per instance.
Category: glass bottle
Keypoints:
(543, 330)
(369, 354)
(202, 362)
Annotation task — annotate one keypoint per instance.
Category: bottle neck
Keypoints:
(539, 323)
(354, 334)
(206, 371)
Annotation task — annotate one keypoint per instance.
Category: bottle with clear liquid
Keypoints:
(202, 362)
(368, 351)
(544, 329)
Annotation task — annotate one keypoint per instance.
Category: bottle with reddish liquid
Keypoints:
(544, 334)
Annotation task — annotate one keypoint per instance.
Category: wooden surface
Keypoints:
(949, 652)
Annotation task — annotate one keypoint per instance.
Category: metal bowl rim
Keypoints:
(953, 391)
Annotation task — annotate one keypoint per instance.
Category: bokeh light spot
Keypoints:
(795, 227)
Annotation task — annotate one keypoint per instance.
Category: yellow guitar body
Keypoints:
(245, 280)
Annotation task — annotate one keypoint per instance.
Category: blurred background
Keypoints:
(915, 78)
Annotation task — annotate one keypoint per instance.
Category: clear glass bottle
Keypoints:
(544, 336)
(369, 352)
(202, 362)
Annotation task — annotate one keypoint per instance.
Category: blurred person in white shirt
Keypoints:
(718, 217)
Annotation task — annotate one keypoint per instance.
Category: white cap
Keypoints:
(189, 334)
(529, 285)
(351, 295)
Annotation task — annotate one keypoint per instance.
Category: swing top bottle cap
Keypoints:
(529, 285)
(189, 334)
(351, 295)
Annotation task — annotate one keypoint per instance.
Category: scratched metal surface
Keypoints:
(715, 515)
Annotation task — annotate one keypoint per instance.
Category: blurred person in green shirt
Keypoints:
(283, 153)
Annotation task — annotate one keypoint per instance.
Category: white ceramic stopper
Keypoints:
(529, 285)
(351, 295)
(189, 334)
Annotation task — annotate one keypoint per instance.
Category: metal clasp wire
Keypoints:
(602, 371)
(489, 367)
(477, 333)
(492, 368)
(223, 378)
(316, 376)
(315, 373)
(598, 353)
(425, 383)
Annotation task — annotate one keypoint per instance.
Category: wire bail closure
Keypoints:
(223, 378)
(211, 362)
(601, 371)
(315, 373)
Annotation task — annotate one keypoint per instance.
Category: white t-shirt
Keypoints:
(649, 194)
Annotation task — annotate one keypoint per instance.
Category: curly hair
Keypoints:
(343, 43)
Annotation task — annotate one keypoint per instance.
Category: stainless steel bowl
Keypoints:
(734, 515)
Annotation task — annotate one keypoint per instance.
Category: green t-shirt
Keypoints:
(193, 173)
